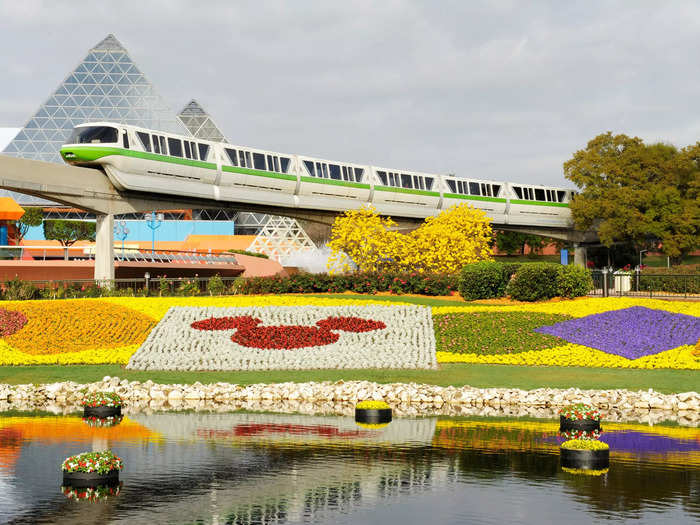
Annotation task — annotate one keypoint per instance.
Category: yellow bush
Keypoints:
(443, 244)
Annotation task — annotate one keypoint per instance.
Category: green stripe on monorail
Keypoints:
(474, 197)
(406, 190)
(334, 182)
(258, 173)
(94, 153)
(540, 203)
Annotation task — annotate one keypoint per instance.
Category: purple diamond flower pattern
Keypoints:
(631, 332)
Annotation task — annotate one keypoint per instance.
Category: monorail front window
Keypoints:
(94, 135)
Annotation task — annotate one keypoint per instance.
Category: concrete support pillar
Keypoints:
(104, 248)
(579, 255)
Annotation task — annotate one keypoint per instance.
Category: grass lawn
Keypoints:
(476, 375)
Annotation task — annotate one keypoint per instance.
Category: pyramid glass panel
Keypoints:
(199, 123)
(100, 74)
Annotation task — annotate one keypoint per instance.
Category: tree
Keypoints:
(32, 217)
(442, 244)
(68, 232)
(513, 243)
(631, 191)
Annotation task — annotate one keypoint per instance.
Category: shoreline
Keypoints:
(339, 398)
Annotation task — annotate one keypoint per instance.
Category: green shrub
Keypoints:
(534, 282)
(573, 281)
(164, 287)
(485, 280)
(252, 254)
(16, 290)
(215, 286)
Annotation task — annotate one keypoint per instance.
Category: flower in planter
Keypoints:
(584, 444)
(102, 399)
(99, 462)
(586, 472)
(579, 412)
(372, 405)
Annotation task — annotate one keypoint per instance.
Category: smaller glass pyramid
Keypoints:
(199, 123)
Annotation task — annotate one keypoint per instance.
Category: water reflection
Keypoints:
(241, 468)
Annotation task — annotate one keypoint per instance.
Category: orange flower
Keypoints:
(56, 327)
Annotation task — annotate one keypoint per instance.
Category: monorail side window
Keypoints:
(382, 177)
(162, 145)
(518, 192)
(258, 161)
(285, 164)
(126, 139)
(156, 144)
(539, 195)
(561, 196)
(203, 151)
(359, 173)
(496, 190)
(145, 140)
(429, 183)
(231, 153)
(193, 148)
(310, 167)
(406, 181)
(188, 152)
(175, 147)
(452, 185)
(334, 171)
(474, 188)
(94, 135)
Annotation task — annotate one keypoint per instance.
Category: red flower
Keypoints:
(250, 334)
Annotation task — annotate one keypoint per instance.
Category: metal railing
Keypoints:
(128, 254)
(636, 283)
(139, 287)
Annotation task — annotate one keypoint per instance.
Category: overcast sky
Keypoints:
(504, 90)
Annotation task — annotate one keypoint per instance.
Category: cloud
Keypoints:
(504, 90)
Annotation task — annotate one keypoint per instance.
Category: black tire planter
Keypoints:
(373, 416)
(102, 412)
(587, 425)
(585, 459)
(80, 480)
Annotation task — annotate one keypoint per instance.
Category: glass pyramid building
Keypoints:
(106, 85)
(199, 123)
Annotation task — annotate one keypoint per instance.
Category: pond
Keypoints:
(252, 468)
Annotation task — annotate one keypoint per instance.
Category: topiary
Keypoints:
(574, 281)
(485, 280)
(534, 282)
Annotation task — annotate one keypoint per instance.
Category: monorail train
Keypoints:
(145, 160)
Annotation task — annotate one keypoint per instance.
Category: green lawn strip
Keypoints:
(489, 333)
(457, 374)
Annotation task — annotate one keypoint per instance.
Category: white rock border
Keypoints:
(408, 341)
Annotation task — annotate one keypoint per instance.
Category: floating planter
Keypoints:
(372, 413)
(102, 422)
(91, 469)
(102, 405)
(92, 494)
(579, 417)
(585, 454)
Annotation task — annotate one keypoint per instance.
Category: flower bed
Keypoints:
(278, 337)
(620, 333)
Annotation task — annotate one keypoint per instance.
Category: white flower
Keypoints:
(406, 341)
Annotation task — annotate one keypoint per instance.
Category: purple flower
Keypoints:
(631, 332)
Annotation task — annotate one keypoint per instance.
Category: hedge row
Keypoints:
(523, 281)
(679, 279)
(361, 283)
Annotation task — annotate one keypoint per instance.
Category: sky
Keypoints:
(502, 90)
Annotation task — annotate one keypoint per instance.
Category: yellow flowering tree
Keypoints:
(443, 244)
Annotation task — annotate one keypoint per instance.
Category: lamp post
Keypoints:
(121, 232)
(154, 221)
